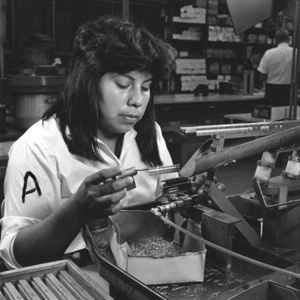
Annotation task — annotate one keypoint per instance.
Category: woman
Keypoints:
(64, 171)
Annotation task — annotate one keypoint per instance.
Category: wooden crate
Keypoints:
(61, 280)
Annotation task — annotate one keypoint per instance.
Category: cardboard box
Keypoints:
(131, 226)
(261, 111)
(272, 113)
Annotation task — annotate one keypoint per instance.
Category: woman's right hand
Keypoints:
(100, 194)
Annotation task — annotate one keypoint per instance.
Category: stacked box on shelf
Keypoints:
(192, 14)
(190, 82)
(224, 20)
(256, 38)
(222, 34)
(218, 52)
(212, 7)
(183, 53)
(210, 52)
(226, 69)
(228, 53)
(194, 71)
(213, 84)
(212, 20)
(214, 68)
(251, 38)
(262, 38)
(192, 33)
(190, 65)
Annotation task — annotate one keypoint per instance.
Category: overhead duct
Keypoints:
(245, 14)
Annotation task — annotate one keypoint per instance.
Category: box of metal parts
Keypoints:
(146, 248)
(273, 113)
(262, 111)
(56, 280)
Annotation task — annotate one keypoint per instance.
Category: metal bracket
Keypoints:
(292, 169)
(282, 199)
(264, 167)
(222, 202)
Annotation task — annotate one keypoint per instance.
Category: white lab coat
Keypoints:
(43, 152)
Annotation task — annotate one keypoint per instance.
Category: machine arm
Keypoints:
(197, 165)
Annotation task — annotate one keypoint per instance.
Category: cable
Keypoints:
(234, 254)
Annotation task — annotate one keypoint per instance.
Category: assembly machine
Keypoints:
(278, 197)
(251, 238)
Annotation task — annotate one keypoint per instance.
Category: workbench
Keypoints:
(213, 98)
(247, 117)
(119, 284)
(173, 110)
(176, 110)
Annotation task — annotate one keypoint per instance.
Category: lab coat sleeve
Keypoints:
(24, 205)
(30, 169)
(264, 64)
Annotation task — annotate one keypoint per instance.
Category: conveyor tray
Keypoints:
(216, 285)
(59, 280)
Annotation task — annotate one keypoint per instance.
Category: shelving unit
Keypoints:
(208, 49)
(59, 20)
(185, 27)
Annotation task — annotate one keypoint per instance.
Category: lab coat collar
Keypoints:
(283, 45)
(131, 134)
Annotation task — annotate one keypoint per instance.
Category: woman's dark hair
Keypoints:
(109, 44)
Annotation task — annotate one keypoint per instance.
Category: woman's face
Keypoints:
(124, 98)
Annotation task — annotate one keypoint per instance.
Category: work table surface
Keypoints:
(191, 98)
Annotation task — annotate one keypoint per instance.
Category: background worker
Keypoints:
(275, 68)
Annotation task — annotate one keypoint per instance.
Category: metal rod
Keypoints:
(295, 66)
(225, 131)
(279, 124)
(229, 252)
(161, 170)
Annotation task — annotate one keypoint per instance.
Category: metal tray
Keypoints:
(216, 285)
(59, 280)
